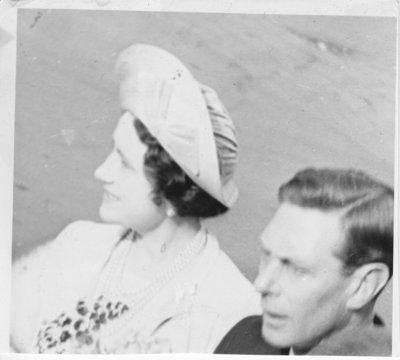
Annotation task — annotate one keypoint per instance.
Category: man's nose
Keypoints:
(268, 279)
(107, 169)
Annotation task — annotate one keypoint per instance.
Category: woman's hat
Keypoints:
(187, 118)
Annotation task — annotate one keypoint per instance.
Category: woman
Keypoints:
(151, 278)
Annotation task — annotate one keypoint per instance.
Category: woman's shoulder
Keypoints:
(223, 284)
(73, 258)
(223, 269)
(81, 244)
(81, 248)
(223, 295)
(85, 233)
(80, 238)
(54, 274)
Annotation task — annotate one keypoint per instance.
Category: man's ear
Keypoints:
(367, 282)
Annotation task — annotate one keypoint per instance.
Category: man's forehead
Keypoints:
(298, 231)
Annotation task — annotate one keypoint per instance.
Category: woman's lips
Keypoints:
(107, 195)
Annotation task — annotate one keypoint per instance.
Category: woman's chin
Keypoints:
(108, 216)
(112, 218)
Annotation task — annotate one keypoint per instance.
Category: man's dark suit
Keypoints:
(367, 340)
(245, 338)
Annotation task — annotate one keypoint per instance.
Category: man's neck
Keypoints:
(356, 323)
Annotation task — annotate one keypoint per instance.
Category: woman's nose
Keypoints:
(106, 170)
(267, 281)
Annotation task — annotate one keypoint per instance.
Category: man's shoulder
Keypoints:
(245, 338)
(356, 341)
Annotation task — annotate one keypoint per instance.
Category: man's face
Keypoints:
(303, 288)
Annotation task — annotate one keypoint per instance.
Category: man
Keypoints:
(326, 256)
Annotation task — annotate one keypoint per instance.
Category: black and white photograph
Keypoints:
(203, 182)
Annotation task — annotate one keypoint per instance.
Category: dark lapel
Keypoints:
(245, 338)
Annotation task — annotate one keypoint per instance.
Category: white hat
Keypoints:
(160, 91)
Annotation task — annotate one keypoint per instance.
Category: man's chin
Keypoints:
(282, 340)
(277, 339)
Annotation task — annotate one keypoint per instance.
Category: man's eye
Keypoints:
(299, 270)
(293, 267)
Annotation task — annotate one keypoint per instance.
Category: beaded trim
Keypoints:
(98, 317)
(138, 299)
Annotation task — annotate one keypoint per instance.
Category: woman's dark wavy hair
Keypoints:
(171, 183)
(366, 208)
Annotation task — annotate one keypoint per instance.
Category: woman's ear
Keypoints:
(169, 209)
(368, 281)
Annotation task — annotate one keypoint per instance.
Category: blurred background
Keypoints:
(302, 90)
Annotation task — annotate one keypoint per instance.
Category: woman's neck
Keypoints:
(159, 247)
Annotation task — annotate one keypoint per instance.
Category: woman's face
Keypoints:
(127, 198)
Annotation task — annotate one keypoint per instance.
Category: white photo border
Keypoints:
(8, 42)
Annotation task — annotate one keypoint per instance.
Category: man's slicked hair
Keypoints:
(366, 208)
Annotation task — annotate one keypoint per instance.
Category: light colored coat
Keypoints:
(54, 277)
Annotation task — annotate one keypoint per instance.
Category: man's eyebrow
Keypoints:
(287, 261)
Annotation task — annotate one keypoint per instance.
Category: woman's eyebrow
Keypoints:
(120, 153)
(124, 158)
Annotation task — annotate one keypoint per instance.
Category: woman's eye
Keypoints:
(122, 159)
(124, 163)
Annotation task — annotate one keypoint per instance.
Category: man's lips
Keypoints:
(271, 309)
(274, 315)
(273, 319)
